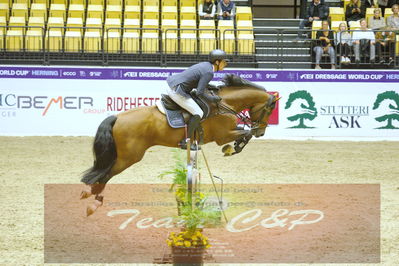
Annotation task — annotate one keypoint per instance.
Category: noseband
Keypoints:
(256, 125)
(264, 110)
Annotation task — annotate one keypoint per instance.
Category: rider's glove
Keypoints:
(213, 87)
(207, 97)
(212, 98)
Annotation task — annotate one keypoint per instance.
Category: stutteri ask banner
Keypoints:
(337, 110)
(355, 105)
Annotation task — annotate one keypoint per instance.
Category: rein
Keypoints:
(246, 119)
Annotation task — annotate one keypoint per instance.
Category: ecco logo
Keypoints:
(69, 73)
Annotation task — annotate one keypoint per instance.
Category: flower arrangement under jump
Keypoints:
(192, 217)
(188, 239)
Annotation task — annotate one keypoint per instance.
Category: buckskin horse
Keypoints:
(122, 140)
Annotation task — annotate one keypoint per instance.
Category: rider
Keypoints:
(197, 77)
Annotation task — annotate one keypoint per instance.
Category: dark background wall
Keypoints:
(275, 8)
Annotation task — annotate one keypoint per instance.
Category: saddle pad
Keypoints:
(175, 118)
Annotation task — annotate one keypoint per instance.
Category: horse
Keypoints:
(122, 140)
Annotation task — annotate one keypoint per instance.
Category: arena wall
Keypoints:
(344, 105)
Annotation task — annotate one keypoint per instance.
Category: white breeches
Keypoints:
(185, 102)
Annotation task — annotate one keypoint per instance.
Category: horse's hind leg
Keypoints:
(94, 189)
(119, 166)
(86, 192)
(98, 202)
(91, 190)
(123, 161)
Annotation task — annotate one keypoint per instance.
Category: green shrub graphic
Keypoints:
(393, 109)
(308, 110)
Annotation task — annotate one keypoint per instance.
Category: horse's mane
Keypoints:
(231, 80)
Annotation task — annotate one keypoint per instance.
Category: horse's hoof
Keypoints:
(84, 194)
(227, 150)
(93, 207)
(90, 210)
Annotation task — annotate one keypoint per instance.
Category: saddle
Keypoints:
(178, 117)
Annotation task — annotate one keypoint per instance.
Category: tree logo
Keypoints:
(306, 106)
(391, 99)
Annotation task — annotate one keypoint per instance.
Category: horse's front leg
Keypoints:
(241, 138)
(240, 143)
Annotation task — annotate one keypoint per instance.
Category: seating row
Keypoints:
(112, 10)
(91, 41)
(338, 13)
(48, 3)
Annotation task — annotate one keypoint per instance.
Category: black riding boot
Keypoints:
(192, 125)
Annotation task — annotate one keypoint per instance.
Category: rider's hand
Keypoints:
(211, 98)
(213, 87)
(194, 92)
(215, 99)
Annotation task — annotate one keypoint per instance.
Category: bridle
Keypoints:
(257, 125)
(266, 109)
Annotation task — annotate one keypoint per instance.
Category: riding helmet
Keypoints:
(217, 55)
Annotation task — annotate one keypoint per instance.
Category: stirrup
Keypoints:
(193, 147)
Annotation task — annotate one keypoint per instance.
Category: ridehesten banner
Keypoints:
(355, 105)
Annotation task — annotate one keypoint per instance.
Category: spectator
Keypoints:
(364, 40)
(392, 2)
(354, 11)
(393, 21)
(207, 9)
(226, 9)
(376, 21)
(316, 11)
(369, 3)
(324, 44)
(343, 42)
(302, 8)
(385, 44)
(383, 4)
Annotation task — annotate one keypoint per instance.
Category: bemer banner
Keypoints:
(344, 105)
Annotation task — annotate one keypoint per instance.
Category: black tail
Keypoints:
(104, 150)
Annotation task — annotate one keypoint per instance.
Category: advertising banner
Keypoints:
(68, 107)
(337, 110)
(353, 105)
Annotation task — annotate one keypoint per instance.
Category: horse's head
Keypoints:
(260, 114)
(255, 98)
